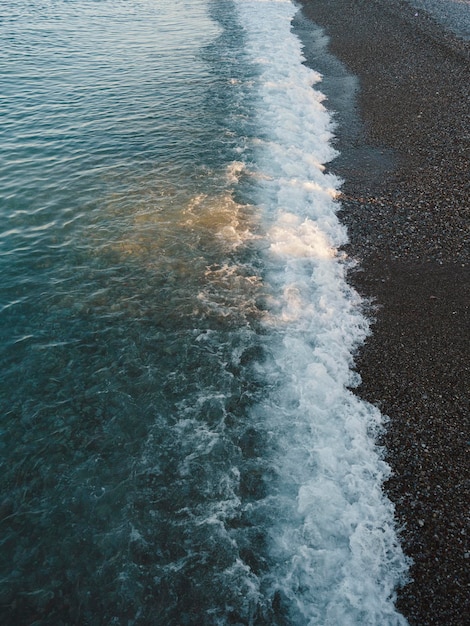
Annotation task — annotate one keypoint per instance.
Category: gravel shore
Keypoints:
(406, 202)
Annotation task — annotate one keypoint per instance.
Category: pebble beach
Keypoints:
(404, 137)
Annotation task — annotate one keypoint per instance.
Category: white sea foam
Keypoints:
(335, 538)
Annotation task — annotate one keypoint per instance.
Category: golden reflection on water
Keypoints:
(190, 250)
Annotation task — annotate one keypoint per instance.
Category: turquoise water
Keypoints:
(176, 332)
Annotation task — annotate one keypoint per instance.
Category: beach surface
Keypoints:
(453, 14)
(404, 135)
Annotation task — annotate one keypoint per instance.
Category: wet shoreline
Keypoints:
(406, 203)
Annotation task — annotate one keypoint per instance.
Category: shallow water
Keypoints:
(179, 442)
(452, 14)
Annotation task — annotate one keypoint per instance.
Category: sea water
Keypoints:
(179, 441)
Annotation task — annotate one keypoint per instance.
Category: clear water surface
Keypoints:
(179, 444)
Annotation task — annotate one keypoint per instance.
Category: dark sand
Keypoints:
(406, 202)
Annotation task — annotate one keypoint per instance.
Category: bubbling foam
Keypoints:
(334, 538)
